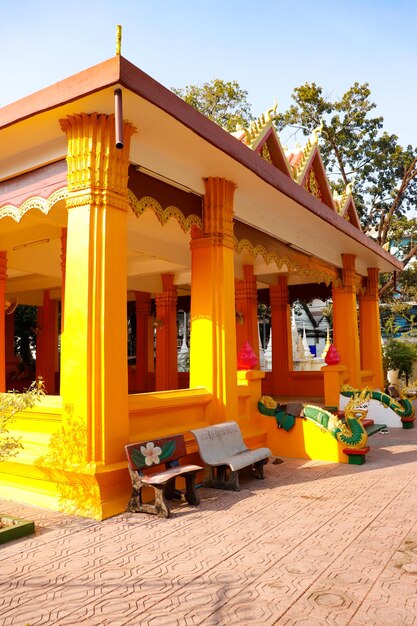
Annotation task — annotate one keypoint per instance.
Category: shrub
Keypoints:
(400, 355)
(10, 404)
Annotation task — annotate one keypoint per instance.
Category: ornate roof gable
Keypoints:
(346, 208)
(308, 170)
(263, 139)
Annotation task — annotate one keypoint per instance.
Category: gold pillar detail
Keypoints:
(97, 170)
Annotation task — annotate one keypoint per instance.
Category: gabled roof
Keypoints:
(263, 139)
(346, 208)
(171, 135)
(309, 172)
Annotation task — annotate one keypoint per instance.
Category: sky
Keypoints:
(269, 47)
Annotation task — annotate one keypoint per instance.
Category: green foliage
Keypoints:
(400, 355)
(10, 404)
(222, 102)
(355, 148)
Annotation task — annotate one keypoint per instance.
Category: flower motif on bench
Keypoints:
(151, 453)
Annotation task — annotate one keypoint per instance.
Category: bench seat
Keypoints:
(224, 453)
(172, 472)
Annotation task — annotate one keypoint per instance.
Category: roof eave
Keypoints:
(120, 71)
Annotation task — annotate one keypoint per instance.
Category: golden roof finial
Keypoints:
(349, 188)
(272, 112)
(118, 40)
(315, 134)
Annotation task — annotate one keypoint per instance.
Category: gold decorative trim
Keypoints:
(36, 202)
(163, 215)
(97, 197)
(281, 260)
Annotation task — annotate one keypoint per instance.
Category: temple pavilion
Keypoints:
(117, 196)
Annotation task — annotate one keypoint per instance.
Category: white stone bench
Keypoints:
(224, 453)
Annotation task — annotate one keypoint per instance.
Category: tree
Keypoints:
(222, 102)
(355, 148)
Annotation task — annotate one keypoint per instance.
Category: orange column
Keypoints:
(166, 372)
(3, 278)
(213, 322)
(246, 297)
(47, 342)
(143, 301)
(345, 321)
(281, 336)
(370, 329)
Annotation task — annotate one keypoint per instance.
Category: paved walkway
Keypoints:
(315, 544)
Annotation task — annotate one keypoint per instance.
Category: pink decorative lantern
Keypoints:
(246, 358)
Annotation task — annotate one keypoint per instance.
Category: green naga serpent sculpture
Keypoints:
(402, 406)
(351, 432)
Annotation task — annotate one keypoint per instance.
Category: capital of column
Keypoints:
(97, 170)
(244, 290)
(278, 294)
(349, 272)
(143, 300)
(218, 207)
(372, 282)
(169, 295)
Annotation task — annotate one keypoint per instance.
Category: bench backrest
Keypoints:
(220, 441)
(155, 452)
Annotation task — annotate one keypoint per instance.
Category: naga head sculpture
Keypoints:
(358, 405)
(409, 392)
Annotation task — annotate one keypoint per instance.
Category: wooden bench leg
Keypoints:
(136, 505)
(171, 493)
(191, 494)
(159, 507)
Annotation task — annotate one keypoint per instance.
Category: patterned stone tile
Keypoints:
(315, 544)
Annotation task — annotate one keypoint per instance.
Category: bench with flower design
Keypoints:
(156, 464)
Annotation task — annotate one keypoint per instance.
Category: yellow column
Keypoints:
(247, 303)
(281, 336)
(370, 329)
(143, 301)
(47, 342)
(3, 278)
(94, 382)
(345, 321)
(166, 369)
(213, 325)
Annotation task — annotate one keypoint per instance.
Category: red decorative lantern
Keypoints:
(332, 356)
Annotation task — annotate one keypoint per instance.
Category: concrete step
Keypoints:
(374, 428)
